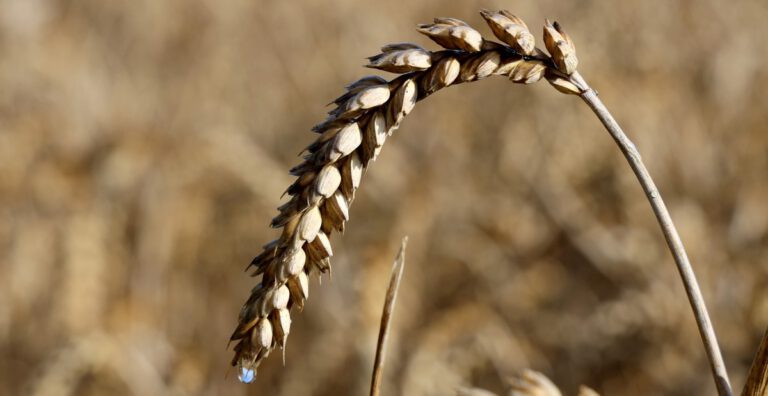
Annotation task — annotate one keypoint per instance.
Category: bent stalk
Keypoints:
(670, 233)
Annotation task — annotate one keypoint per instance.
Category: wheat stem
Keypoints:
(757, 381)
(386, 318)
(670, 233)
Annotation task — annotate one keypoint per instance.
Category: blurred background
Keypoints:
(144, 146)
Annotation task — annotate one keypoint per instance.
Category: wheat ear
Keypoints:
(353, 134)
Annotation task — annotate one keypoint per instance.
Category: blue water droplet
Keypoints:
(246, 375)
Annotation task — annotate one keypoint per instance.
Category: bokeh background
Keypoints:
(144, 146)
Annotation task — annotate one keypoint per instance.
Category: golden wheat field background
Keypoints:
(144, 146)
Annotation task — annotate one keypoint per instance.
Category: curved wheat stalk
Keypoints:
(352, 136)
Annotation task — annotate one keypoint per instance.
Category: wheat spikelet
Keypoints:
(534, 383)
(528, 383)
(352, 136)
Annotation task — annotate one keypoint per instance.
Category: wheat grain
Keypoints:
(353, 134)
(533, 383)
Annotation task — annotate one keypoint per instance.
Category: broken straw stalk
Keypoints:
(353, 134)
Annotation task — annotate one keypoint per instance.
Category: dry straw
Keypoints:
(386, 319)
(757, 381)
(353, 134)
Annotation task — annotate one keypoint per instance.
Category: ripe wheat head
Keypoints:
(351, 138)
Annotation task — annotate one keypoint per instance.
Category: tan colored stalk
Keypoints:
(757, 381)
(706, 330)
(353, 134)
(386, 319)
